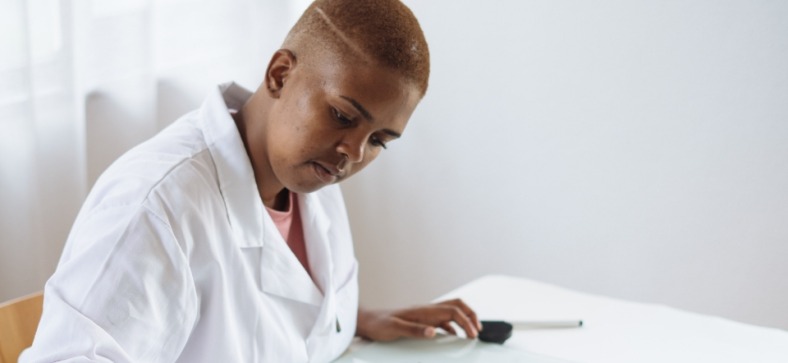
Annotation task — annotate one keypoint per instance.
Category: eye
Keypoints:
(377, 142)
(341, 118)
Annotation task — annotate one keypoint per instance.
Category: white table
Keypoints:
(614, 331)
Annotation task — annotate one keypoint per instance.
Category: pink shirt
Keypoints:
(289, 225)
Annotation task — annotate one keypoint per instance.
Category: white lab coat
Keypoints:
(174, 259)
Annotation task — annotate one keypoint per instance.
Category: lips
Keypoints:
(325, 172)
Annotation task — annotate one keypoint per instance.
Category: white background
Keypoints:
(633, 149)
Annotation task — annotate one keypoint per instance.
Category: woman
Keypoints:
(224, 238)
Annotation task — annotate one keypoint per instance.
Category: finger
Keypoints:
(408, 329)
(448, 328)
(456, 314)
(437, 314)
(465, 322)
(440, 313)
(467, 310)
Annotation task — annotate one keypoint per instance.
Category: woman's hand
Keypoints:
(417, 322)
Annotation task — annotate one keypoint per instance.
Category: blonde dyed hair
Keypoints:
(383, 32)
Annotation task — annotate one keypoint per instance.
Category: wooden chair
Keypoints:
(18, 322)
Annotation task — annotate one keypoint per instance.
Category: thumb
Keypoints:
(409, 329)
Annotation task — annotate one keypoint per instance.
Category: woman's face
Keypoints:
(331, 119)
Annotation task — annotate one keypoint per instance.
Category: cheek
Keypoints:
(299, 134)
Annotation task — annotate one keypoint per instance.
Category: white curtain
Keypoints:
(82, 81)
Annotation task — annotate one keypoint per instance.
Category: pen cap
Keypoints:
(495, 331)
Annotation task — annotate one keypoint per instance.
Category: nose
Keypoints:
(352, 147)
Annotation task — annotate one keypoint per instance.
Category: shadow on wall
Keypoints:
(123, 114)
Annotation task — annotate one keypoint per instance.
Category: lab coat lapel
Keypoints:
(233, 168)
(317, 228)
(281, 272)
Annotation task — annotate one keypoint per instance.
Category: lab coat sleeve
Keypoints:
(123, 292)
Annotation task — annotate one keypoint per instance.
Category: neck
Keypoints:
(281, 201)
(251, 121)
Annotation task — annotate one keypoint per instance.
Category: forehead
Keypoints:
(377, 87)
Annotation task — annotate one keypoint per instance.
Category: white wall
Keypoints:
(633, 149)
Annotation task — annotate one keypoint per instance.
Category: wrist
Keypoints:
(361, 323)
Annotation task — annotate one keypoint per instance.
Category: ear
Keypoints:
(280, 67)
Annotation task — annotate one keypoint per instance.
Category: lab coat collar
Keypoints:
(234, 169)
(252, 225)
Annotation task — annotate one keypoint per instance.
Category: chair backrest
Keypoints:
(18, 322)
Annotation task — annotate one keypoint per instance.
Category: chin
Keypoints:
(305, 188)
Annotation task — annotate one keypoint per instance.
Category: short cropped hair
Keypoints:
(382, 31)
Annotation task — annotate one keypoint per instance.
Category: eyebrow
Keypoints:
(368, 115)
(360, 108)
